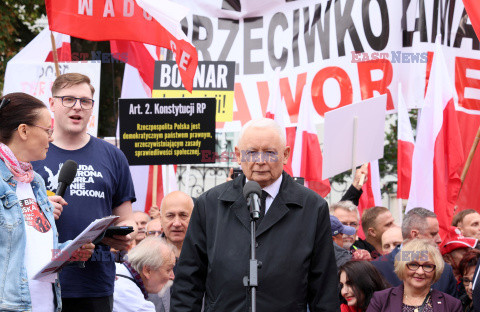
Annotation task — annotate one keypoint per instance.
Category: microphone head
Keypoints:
(68, 172)
(252, 187)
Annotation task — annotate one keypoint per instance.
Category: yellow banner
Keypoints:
(224, 111)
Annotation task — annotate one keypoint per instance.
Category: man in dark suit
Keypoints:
(418, 223)
(294, 240)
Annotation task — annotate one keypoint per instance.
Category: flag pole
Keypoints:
(167, 180)
(155, 185)
(470, 158)
(54, 52)
(187, 182)
(354, 147)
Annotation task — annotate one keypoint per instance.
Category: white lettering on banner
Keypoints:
(85, 7)
(184, 60)
(108, 10)
(173, 48)
(147, 16)
(311, 42)
(128, 7)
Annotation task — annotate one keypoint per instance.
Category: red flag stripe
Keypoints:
(404, 168)
(448, 159)
(94, 21)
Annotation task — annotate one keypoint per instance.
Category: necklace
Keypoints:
(418, 307)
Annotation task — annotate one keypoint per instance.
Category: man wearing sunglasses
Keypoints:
(103, 186)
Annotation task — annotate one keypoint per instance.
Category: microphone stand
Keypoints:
(251, 281)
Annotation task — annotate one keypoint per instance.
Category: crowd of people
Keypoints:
(191, 255)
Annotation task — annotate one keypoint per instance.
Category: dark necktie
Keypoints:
(263, 205)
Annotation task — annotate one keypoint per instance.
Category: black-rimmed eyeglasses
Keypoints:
(466, 281)
(70, 101)
(427, 267)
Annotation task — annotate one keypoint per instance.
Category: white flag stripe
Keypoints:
(375, 174)
(40, 47)
(439, 93)
(405, 132)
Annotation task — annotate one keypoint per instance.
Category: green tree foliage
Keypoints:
(17, 28)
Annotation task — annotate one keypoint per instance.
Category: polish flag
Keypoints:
(277, 110)
(140, 56)
(371, 195)
(438, 154)
(40, 48)
(146, 21)
(133, 87)
(307, 155)
(405, 144)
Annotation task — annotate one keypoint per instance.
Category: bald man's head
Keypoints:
(154, 227)
(141, 218)
(175, 213)
(391, 238)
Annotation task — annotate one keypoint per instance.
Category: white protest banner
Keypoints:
(354, 135)
(333, 53)
(36, 79)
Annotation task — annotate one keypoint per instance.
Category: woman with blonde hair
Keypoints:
(419, 264)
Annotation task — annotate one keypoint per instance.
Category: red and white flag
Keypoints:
(147, 21)
(371, 195)
(438, 155)
(277, 110)
(140, 56)
(40, 48)
(405, 145)
(307, 155)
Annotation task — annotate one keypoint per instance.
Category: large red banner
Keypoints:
(120, 20)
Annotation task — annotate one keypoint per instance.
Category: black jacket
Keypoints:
(294, 244)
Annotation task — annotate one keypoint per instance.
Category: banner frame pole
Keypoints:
(155, 185)
(55, 55)
(354, 146)
(469, 159)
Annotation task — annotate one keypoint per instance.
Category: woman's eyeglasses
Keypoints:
(427, 267)
(466, 281)
(48, 130)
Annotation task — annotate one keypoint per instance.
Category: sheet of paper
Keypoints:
(338, 138)
(60, 257)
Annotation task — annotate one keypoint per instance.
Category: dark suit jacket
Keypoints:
(385, 264)
(391, 299)
(294, 244)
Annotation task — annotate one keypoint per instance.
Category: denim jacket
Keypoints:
(14, 291)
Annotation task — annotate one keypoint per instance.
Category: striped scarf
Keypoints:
(22, 171)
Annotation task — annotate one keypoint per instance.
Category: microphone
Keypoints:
(252, 193)
(66, 176)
